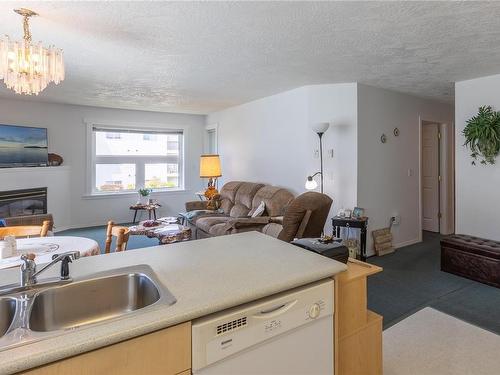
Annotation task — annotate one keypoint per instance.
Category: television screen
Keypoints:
(22, 146)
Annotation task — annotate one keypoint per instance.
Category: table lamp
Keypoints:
(319, 129)
(210, 168)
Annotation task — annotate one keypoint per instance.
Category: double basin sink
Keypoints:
(44, 310)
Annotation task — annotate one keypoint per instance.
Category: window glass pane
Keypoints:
(163, 175)
(141, 144)
(114, 177)
(211, 135)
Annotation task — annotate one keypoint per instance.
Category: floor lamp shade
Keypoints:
(210, 166)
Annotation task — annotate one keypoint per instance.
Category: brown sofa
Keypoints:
(239, 200)
(304, 217)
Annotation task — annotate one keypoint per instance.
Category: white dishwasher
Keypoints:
(287, 333)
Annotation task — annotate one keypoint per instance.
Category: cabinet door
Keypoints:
(165, 352)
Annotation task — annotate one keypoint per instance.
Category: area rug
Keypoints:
(433, 343)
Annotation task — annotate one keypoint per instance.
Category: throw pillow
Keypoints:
(259, 210)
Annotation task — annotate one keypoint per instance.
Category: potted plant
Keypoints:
(143, 195)
(482, 135)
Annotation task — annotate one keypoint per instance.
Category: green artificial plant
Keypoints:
(482, 135)
(145, 192)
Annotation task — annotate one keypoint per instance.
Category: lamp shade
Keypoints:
(311, 184)
(320, 127)
(210, 166)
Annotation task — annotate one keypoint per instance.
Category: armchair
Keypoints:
(305, 217)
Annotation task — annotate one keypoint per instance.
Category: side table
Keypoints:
(150, 208)
(346, 222)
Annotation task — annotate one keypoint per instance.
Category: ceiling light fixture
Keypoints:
(26, 67)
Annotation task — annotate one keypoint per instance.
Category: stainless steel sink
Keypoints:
(7, 313)
(91, 301)
(30, 314)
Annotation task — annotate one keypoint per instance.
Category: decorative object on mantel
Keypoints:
(319, 129)
(482, 135)
(55, 160)
(26, 67)
(396, 132)
(383, 138)
(210, 168)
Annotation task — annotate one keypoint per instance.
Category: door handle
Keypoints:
(275, 310)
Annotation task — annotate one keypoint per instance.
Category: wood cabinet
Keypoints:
(358, 331)
(166, 352)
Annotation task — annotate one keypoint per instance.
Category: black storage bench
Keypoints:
(471, 257)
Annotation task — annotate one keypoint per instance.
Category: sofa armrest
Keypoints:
(196, 205)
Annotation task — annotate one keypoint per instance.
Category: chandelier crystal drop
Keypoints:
(26, 67)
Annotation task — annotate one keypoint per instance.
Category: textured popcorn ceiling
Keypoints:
(202, 57)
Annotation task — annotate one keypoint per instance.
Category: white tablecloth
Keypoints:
(45, 247)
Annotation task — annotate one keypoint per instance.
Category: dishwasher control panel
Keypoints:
(223, 334)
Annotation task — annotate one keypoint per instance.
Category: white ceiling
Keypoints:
(199, 57)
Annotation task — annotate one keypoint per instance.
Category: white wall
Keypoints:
(66, 131)
(384, 187)
(270, 140)
(477, 187)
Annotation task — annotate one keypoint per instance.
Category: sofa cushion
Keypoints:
(228, 195)
(275, 198)
(259, 211)
(220, 229)
(244, 198)
(205, 223)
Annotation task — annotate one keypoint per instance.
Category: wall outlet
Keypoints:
(396, 219)
(330, 152)
(316, 154)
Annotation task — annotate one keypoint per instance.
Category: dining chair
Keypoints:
(26, 230)
(121, 233)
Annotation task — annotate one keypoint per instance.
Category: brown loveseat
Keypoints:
(239, 200)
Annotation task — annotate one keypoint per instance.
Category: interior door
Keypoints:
(430, 177)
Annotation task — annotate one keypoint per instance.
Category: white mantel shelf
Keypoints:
(62, 168)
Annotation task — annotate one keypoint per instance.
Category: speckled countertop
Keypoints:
(205, 276)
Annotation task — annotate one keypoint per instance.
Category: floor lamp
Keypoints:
(319, 129)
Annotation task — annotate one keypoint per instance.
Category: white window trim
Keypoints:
(215, 128)
(91, 157)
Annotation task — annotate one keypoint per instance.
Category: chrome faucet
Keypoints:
(29, 272)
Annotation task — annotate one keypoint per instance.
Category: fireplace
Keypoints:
(23, 202)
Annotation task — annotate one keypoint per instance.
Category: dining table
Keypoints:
(45, 247)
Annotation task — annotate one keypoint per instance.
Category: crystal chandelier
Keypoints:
(27, 68)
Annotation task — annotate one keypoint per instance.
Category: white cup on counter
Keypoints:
(8, 247)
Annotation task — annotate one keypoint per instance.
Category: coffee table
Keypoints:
(166, 233)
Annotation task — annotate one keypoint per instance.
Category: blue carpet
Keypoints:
(412, 280)
(99, 234)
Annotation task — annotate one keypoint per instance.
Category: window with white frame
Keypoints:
(125, 160)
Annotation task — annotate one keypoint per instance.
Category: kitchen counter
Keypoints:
(205, 276)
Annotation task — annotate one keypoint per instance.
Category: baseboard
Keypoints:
(407, 243)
